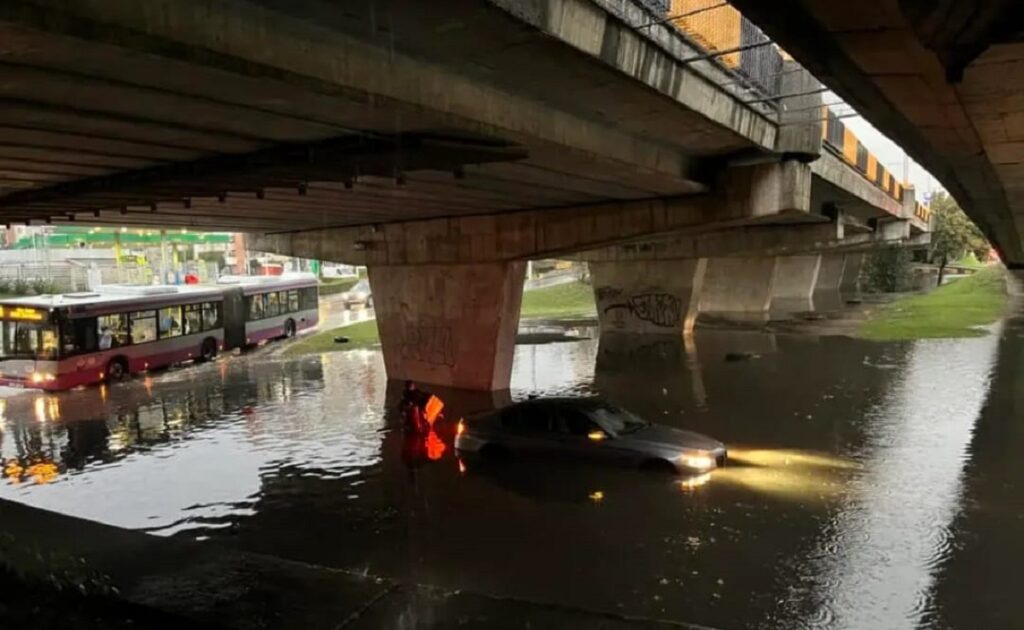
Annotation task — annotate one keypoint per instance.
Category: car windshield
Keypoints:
(616, 421)
(29, 340)
(363, 286)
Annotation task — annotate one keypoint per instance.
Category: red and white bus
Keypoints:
(56, 342)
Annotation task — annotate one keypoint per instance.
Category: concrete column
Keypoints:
(648, 296)
(795, 279)
(851, 273)
(830, 274)
(450, 325)
(738, 287)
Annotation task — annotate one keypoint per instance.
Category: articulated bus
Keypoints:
(56, 342)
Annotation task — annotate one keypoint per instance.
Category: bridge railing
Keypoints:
(736, 44)
(734, 41)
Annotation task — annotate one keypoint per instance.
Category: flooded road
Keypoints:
(874, 485)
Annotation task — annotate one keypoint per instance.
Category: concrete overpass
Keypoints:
(942, 79)
(441, 144)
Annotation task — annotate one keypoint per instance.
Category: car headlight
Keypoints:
(697, 461)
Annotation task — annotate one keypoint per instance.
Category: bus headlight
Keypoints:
(41, 377)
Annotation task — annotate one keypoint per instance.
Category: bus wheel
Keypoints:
(208, 350)
(289, 328)
(117, 369)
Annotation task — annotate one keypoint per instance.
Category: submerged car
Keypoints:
(589, 429)
(358, 295)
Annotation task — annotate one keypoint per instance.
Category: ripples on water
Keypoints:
(849, 459)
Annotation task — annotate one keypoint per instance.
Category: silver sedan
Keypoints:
(588, 429)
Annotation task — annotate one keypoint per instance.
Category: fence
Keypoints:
(718, 28)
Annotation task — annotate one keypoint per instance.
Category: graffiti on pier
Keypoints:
(660, 309)
(428, 343)
(607, 293)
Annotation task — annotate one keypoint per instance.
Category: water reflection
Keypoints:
(841, 509)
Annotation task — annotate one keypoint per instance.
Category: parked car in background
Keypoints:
(588, 429)
(358, 295)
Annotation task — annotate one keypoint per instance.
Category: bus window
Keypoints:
(48, 343)
(113, 331)
(293, 301)
(170, 322)
(143, 326)
(308, 298)
(29, 340)
(272, 305)
(211, 315)
(255, 307)
(282, 301)
(192, 321)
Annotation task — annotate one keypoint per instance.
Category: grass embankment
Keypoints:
(952, 310)
(360, 335)
(565, 301)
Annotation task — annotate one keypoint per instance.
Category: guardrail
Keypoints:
(732, 41)
(735, 41)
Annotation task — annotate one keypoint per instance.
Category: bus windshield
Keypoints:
(29, 340)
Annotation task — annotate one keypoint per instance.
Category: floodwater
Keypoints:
(874, 485)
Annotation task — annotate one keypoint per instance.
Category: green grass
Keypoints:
(563, 301)
(952, 310)
(970, 261)
(360, 335)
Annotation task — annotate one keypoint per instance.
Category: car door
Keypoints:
(577, 435)
(586, 440)
(529, 429)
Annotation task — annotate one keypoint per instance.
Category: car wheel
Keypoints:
(369, 302)
(289, 328)
(117, 369)
(208, 351)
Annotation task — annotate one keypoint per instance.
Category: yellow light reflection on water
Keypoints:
(596, 496)
(39, 405)
(787, 473)
(788, 457)
(692, 483)
(53, 407)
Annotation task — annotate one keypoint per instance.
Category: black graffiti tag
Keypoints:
(660, 309)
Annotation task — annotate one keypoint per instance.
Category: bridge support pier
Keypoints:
(830, 274)
(851, 273)
(452, 325)
(648, 296)
(738, 287)
(795, 279)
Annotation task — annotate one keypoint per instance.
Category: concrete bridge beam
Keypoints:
(449, 325)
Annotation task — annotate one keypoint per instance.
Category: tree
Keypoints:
(953, 234)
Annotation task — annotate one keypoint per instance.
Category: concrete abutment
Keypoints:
(795, 280)
(648, 296)
(738, 287)
(449, 325)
